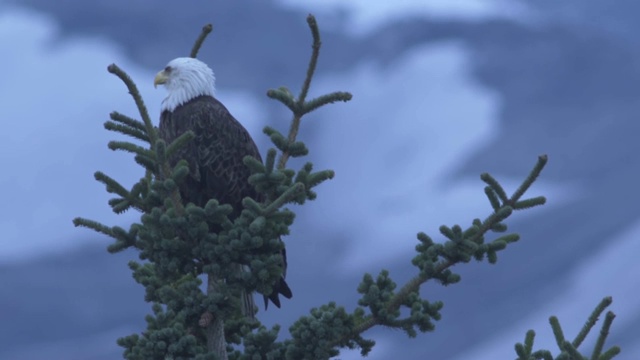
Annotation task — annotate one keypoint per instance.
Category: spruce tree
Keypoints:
(171, 234)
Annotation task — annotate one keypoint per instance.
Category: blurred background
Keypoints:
(443, 91)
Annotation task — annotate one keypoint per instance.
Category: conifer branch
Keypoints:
(286, 197)
(127, 130)
(293, 132)
(299, 107)
(569, 350)
(164, 170)
(610, 354)
(142, 108)
(604, 332)
(126, 120)
(111, 185)
(592, 320)
(434, 260)
(130, 147)
(494, 186)
(283, 95)
(542, 354)
(313, 61)
(493, 198)
(327, 99)
(203, 35)
(557, 331)
(179, 143)
(143, 155)
(528, 341)
(533, 175)
(150, 164)
(94, 225)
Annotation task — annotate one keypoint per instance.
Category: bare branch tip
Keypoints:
(206, 30)
(315, 31)
(311, 20)
(113, 68)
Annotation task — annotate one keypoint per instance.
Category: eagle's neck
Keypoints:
(187, 87)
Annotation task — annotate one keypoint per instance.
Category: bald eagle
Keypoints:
(215, 153)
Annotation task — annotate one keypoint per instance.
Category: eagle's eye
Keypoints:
(167, 69)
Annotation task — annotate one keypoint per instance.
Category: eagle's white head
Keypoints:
(185, 78)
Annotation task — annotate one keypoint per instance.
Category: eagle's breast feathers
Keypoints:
(215, 155)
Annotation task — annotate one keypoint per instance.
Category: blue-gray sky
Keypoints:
(412, 125)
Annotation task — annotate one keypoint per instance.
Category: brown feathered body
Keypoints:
(215, 156)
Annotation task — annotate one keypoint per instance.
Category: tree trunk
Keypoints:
(216, 342)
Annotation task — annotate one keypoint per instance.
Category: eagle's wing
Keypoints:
(215, 159)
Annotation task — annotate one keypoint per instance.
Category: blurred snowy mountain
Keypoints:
(443, 90)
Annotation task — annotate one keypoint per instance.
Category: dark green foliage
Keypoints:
(261, 345)
(315, 336)
(165, 338)
(280, 184)
(377, 294)
(569, 349)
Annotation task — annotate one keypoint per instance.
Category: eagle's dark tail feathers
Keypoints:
(281, 287)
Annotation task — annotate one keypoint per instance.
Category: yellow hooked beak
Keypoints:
(161, 78)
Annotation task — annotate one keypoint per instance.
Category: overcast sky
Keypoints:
(58, 93)
(366, 15)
